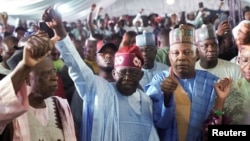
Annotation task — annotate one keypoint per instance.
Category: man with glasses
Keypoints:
(237, 105)
(208, 50)
(114, 111)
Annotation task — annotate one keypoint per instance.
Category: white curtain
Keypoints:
(79, 9)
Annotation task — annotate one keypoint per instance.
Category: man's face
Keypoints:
(55, 54)
(90, 52)
(191, 16)
(7, 50)
(43, 79)
(20, 34)
(242, 38)
(247, 15)
(105, 58)
(182, 57)
(127, 79)
(101, 23)
(174, 19)
(244, 62)
(137, 24)
(226, 42)
(208, 50)
(149, 54)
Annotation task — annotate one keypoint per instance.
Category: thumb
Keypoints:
(171, 74)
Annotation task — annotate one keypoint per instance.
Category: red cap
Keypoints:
(100, 45)
(129, 56)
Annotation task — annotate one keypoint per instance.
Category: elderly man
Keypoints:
(208, 49)
(14, 98)
(146, 43)
(114, 111)
(241, 34)
(237, 104)
(182, 99)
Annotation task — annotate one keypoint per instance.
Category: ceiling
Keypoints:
(79, 9)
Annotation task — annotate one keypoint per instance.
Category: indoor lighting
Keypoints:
(170, 2)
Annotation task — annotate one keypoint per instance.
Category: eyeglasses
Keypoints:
(48, 73)
(133, 75)
(243, 61)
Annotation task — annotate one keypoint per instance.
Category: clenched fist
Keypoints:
(168, 86)
(36, 49)
(223, 87)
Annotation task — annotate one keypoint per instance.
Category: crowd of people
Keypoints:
(141, 78)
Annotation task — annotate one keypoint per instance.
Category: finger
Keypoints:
(171, 73)
(37, 45)
(47, 15)
(47, 46)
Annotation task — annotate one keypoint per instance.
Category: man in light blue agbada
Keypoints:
(146, 43)
(113, 111)
(183, 97)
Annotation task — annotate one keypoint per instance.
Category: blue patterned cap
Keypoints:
(145, 39)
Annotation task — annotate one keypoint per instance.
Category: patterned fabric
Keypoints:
(101, 106)
(129, 56)
(201, 92)
(22, 129)
(183, 34)
(237, 105)
(44, 123)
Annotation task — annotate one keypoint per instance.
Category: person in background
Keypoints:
(195, 20)
(182, 99)
(146, 43)
(227, 47)
(138, 23)
(57, 61)
(237, 103)
(241, 34)
(208, 51)
(246, 13)
(20, 32)
(8, 49)
(108, 120)
(90, 54)
(128, 39)
(163, 46)
(105, 61)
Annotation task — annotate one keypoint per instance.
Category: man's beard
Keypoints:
(106, 69)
